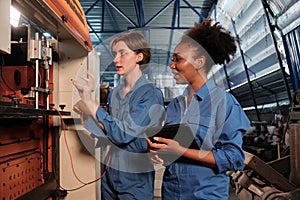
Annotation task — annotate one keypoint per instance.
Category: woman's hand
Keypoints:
(173, 148)
(155, 159)
(86, 105)
(165, 146)
(85, 90)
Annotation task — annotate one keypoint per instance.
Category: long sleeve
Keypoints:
(145, 108)
(228, 150)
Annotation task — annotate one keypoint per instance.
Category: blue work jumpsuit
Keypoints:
(218, 124)
(130, 173)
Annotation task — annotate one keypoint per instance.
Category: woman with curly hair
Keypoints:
(214, 116)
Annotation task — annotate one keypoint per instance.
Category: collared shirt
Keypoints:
(218, 123)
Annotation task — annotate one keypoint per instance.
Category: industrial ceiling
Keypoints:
(162, 20)
(246, 19)
(108, 17)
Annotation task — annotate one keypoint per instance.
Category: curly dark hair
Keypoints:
(215, 42)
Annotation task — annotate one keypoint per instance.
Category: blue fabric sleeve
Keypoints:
(146, 109)
(228, 151)
(93, 126)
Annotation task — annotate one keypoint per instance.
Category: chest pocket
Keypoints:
(203, 128)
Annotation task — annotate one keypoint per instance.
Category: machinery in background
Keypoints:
(264, 140)
(29, 75)
(25, 73)
(279, 178)
(28, 139)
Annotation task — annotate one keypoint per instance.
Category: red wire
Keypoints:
(71, 159)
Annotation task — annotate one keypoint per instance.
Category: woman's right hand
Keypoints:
(85, 90)
(155, 159)
(89, 106)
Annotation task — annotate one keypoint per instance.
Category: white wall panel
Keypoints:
(5, 26)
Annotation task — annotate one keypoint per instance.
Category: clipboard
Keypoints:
(182, 133)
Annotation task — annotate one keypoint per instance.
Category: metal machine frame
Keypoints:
(29, 124)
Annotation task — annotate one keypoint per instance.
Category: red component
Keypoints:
(16, 77)
(21, 163)
(13, 78)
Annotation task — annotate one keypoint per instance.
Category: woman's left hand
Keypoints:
(166, 146)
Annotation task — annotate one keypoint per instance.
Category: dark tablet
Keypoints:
(182, 133)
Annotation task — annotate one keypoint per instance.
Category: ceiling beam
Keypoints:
(121, 13)
(139, 10)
